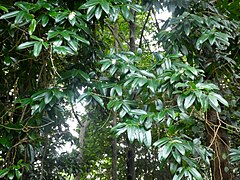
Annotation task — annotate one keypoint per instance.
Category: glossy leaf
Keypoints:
(26, 45)
(32, 26)
(4, 172)
(189, 100)
(9, 15)
(37, 48)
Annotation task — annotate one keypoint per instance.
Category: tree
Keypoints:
(184, 97)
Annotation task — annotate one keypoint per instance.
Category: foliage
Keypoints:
(57, 53)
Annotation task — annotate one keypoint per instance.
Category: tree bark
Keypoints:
(217, 139)
(114, 151)
(131, 175)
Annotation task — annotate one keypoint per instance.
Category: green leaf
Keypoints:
(73, 45)
(9, 15)
(187, 28)
(138, 112)
(98, 13)
(136, 7)
(19, 17)
(220, 98)
(81, 39)
(148, 74)
(4, 8)
(10, 175)
(52, 33)
(177, 156)
(90, 12)
(105, 6)
(82, 96)
(180, 101)
(18, 173)
(161, 142)
(189, 100)
(213, 101)
(105, 66)
(211, 39)
(195, 173)
(26, 45)
(84, 75)
(37, 48)
(90, 3)
(166, 150)
(48, 97)
(4, 172)
(98, 99)
(118, 90)
(65, 35)
(201, 40)
(32, 26)
(131, 133)
(125, 12)
(148, 138)
(122, 113)
(45, 20)
(180, 148)
(173, 168)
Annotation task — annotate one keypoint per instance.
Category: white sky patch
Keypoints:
(72, 122)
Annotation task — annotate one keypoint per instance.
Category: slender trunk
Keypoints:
(130, 162)
(82, 133)
(218, 140)
(42, 163)
(131, 152)
(114, 123)
(114, 151)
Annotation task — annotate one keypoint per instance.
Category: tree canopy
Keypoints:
(161, 96)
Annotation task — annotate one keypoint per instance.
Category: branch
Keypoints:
(157, 24)
(115, 35)
(143, 29)
(75, 115)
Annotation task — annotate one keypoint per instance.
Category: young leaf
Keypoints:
(4, 172)
(4, 8)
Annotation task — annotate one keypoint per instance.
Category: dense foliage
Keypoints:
(161, 97)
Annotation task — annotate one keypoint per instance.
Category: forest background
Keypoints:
(160, 96)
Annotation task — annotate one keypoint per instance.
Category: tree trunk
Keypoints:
(114, 151)
(218, 140)
(130, 162)
(82, 133)
(131, 152)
